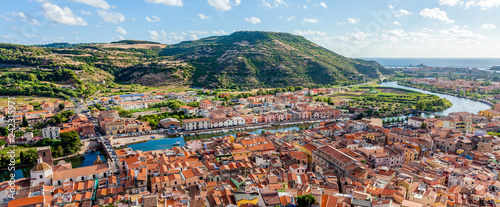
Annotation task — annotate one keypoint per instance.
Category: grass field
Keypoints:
(23, 100)
(18, 150)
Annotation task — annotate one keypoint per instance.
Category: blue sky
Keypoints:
(355, 28)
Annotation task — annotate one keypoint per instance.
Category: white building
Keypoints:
(238, 121)
(51, 132)
(41, 173)
(195, 124)
(415, 122)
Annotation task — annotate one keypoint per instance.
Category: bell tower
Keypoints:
(46, 155)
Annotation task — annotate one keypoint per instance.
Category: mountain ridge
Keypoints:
(241, 60)
(222, 61)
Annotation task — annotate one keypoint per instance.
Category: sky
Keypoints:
(354, 28)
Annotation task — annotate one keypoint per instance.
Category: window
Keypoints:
(83, 178)
(59, 182)
(41, 176)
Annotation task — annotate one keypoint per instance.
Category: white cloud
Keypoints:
(6, 18)
(460, 33)
(483, 4)
(309, 32)
(322, 4)
(396, 23)
(111, 17)
(274, 4)
(120, 30)
(449, 2)
(204, 17)
(359, 36)
(310, 20)
(61, 15)
(25, 18)
(102, 4)
(305, 7)
(223, 5)
(153, 33)
(352, 20)
(488, 26)
(219, 32)
(253, 20)
(87, 12)
(153, 19)
(436, 13)
(194, 34)
(290, 18)
(394, 35)
(166, 2)
(120, 37)
(402, 12)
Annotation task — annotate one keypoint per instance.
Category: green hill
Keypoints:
(241, 60)
(268, 59)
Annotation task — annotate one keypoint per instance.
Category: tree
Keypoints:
(4, 131)
(71, 142)
(361, 115)
(28, 156)
(58, 151)
(25, 121)
(420, 105)
(125, 113)
(423, 126)
(61, 106)
(194, 104)
(305, 200)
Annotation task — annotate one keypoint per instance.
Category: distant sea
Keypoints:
(482, 63)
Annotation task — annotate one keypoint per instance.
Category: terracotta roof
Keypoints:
(335, 153)
(28, 201)
(81, 171)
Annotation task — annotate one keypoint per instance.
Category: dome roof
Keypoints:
(41, 167)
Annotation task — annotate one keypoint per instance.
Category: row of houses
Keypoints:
(206, 123)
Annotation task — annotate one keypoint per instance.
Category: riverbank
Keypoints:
(206, 133)
(458, 104)
(187, 134)
(404, 83)
(119, 142)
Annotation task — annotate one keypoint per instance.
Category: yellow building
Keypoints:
(240, 152)
(489, 113)
(244, 201)
(306, 148)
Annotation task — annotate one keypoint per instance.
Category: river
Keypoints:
(459, 104)
(167, 143)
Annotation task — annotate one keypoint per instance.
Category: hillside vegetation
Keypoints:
(242, 60)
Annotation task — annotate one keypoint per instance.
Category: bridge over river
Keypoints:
(111, 153)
